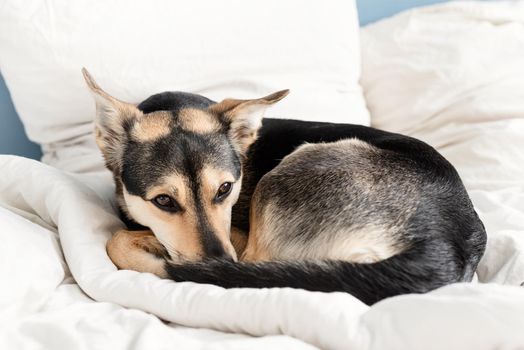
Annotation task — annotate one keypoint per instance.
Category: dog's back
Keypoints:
(371, 213)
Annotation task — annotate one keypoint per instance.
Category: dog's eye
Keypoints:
(224, 190)
(166, 203)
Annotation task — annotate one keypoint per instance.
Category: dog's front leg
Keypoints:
(137, 250)
(239, 240)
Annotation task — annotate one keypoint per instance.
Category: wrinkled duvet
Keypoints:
(59, 289)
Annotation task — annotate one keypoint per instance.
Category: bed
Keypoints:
(450, 74)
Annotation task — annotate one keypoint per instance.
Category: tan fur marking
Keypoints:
(174, 186)
(256, 249)
(99, 139)
(134, 250)
(198, 121)
(239, 240)
(177, 232)
(368, 245)
(152, 126)
(219, 216)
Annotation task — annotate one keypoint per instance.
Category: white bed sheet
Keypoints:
(42, 306)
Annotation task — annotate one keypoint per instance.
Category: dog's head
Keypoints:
(176, 160)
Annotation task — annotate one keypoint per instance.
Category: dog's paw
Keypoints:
(147, 241)
(137, 250)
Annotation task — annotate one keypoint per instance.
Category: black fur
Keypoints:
(174, 101)
(446, 237)
(413, 271)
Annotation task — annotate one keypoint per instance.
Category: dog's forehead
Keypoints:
(165, 110)
(176, 135)
(197, 121)
(152, 126)
(210, 177)
(146, 163)
(155, 125)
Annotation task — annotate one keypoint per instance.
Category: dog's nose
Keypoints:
(228, 258)
(220, 254)
(214, 248)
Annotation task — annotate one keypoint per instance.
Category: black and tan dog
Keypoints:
(318, 206)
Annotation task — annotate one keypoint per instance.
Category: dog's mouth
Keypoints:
(175, 256)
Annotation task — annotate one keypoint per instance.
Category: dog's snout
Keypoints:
(227, 257)
(220, 254)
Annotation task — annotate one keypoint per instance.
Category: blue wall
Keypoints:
(14, 141)
(12, 136)
(373, 10)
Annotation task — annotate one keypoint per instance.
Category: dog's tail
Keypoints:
(370, 283)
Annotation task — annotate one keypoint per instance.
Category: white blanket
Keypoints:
(42, 305)
(52, 221)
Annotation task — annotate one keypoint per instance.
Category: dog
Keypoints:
(213, 193)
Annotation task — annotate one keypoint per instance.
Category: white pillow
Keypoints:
(220, 49)
(453, 75)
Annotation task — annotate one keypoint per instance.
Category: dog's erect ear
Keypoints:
(111, 117)
(245, 117)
